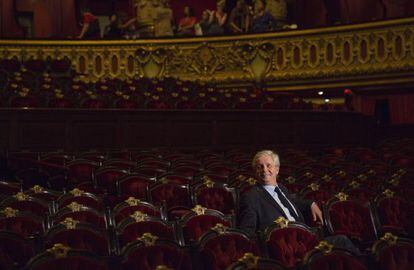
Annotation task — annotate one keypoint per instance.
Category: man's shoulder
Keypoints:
(253, 191)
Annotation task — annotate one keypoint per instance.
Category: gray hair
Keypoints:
(270, 153)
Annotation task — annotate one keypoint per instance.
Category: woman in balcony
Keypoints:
(217, 19)
(239, 19)
(187, 23)
(90, 26)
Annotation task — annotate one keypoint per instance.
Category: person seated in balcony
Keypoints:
(90, 26)
(263, 21)
(240, 17)
(116, 28)
(187, 23)
(217, 19)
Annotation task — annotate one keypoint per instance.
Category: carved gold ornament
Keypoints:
(341, 173)
(131, 201)
(37, 189)
(355, 184)
(313, 186)
(148, 239)
(290, 180)
(59, 250)
(199, 210)
(324, 247)
(9, 212)
(249, 260)
(75, 207)
(388, 193)
(251, 181)
(282, 222)
(390, 239)
(70, 223)
(20, 196)
(326, 177)
(163, 267)
(139, 216)
(77, 192)
(208, 183)
(342, 196)
(219, 228)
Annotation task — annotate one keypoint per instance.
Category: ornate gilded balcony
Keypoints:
(354, 55)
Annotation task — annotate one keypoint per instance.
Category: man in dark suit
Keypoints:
(268, 200)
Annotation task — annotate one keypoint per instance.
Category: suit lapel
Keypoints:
(267, 197)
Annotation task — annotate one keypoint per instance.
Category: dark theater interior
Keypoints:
(214, 134)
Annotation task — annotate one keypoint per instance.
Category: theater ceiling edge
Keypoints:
(363, 54)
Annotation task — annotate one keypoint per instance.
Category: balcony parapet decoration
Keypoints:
(376, 52)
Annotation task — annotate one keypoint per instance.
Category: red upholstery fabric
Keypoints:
(84, 217)
(83, 239)
(336, 261)
(24, 226)
(69, 263)
(216, 198)
(289, 245)
(81, 171)
(135, 186)
(37, 207)
(15, 248)
(396, 257)
(225, 249)
(194, 228)
(148, 258)
(395, 215)
(351, 219)
(135, 230)
(173, 195)
(107, 179)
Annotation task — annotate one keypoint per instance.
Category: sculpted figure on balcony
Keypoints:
(146, 14)
(163, 19)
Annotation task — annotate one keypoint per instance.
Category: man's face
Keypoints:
(266, 170)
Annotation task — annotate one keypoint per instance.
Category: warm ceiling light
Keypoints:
(320, 93)
(327, 100)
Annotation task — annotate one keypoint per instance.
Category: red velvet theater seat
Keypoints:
(15, 248)
(394, 214)
(350, 218)
(81, 170)
(249, 261)
(80, 213)
(106, 178)
(63, 257)
(221, 246)
(76, 235)
(81, 197)
(133, 227)
(288, 242)
(394, 253)
(170, 195)
(149, 252)
(135, 185)
(325, 257)
(216, 196)
(126, 208)
(26, 203)
(198, 221)
(24, 224)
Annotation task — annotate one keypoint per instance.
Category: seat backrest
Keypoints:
(332, 260)
(148, 254)
(392, 253)
(289, 243)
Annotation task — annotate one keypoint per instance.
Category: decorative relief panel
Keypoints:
(378, 48)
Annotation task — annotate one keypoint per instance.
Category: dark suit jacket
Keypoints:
(258, 209)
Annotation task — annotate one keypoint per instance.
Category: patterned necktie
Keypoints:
(286, 203)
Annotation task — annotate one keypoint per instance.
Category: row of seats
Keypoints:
(38, 83)
(114, 217)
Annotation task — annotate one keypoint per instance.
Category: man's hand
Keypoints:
(316, 213)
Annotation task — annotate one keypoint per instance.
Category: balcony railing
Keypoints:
(354, 55)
